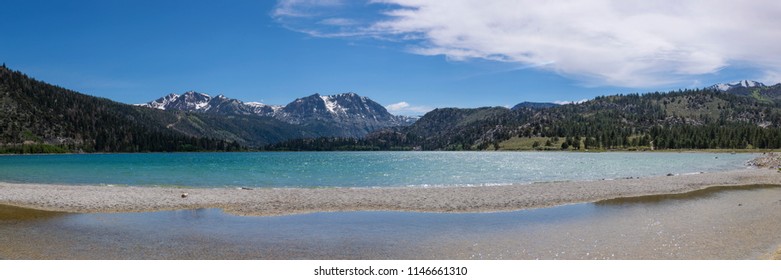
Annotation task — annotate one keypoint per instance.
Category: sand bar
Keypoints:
(282, 201)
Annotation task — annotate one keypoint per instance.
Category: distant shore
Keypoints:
(283, 201)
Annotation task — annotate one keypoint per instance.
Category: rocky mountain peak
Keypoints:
(353, 114)
(738, 84)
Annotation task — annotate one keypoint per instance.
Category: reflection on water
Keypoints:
(721, 223)
(12, 213)
(668, 198)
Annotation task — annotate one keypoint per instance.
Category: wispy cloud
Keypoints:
(326, 18)
(304, 8)
(569, 102)
(338, 22)
(404, 108)
(600, 42)
(770, 77)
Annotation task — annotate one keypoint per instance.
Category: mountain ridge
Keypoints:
(685, 119)
(536, 105)
(343, 115)
(734, 85)
(43, 118)
(39, 117)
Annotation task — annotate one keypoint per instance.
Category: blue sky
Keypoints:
(411, 55)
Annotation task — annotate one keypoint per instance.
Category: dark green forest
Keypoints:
(42, 118)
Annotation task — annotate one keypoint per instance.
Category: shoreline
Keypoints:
(287, 201)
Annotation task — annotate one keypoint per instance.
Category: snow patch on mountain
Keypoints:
(348, 112)
(255, 104)
(330, 105)
(739, 84)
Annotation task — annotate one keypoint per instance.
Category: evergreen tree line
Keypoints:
(685, 119)
(38, 117)
(381, 141)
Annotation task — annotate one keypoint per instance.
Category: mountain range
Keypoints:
(47, 117)
(737, 85)
(340, 115)
(729, 116)
(535, 105)
(39, 117)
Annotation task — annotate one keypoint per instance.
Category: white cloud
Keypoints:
(404, 108)
(338, 22)
(569, 102)
(770, 77)
(303, 8)
(397, 106)
(630, 43)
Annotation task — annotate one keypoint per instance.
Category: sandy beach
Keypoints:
(280, 201)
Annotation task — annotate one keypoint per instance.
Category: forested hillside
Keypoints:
(686, 119)
(41, 118)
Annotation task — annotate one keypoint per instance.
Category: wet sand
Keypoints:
(279, 201)
(716, 223)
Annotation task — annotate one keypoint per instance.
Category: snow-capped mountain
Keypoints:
(340, 106)
(192, 101)
(189, 101)
(346, 114)
(740, 84)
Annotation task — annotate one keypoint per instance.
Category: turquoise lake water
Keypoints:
(353, 169)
